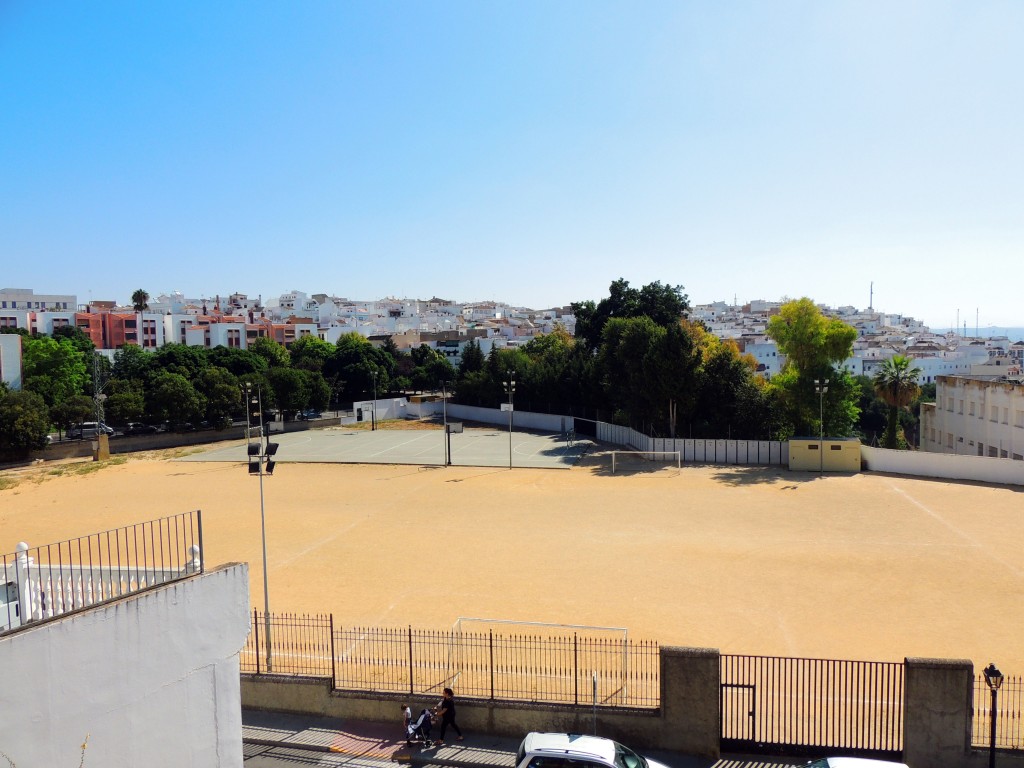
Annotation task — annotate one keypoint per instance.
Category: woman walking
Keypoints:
(446, 709)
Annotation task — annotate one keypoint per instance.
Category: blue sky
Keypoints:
(530, 152)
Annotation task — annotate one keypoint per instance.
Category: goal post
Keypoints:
(526, 653)
(644, 460)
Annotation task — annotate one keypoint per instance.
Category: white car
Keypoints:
(570, 750)
(852, 762)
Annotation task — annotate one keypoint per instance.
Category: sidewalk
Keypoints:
(374, 740)
(384, 741)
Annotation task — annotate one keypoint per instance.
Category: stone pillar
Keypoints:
(937, 702)
(690, 696)
(101, 448)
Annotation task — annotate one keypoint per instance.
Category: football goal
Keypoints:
(553, 662)
(645, 461)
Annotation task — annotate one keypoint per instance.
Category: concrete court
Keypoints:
(474, 447)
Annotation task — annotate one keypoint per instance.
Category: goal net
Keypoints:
(646, 461)
(548, 662)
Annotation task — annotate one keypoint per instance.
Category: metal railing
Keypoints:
(42, 583)
(1009, 708)
(567, 669)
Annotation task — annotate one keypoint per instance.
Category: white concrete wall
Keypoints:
(926, 464)
(152, 680)
(542, 422)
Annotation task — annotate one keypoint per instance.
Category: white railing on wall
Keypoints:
(758, 452)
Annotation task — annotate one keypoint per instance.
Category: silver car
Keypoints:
(570, 750)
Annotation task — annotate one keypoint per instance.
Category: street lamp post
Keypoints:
(258, 456)
(820, 388)
(994, 678)
(510, 387)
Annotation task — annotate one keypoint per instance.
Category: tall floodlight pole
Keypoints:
(510, 387)
(444, 412)
(821, 387)
(373, 413)
(994, 678)
(258, 455)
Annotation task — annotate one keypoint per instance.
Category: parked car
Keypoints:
(88, 430)
(138, 428)
(570, 750)
(309, 413)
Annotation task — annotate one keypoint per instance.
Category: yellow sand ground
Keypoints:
(760, 561)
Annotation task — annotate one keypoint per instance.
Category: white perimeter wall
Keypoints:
(542, 422)
(152, 679)
(984, 469)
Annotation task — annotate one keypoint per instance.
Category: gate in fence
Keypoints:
(774, 705)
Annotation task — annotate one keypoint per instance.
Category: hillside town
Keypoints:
(236, 320)
(951, 361)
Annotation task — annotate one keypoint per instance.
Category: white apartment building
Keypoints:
(26, 298)
(10, 360)
(975, 417)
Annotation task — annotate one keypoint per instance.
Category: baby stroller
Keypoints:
(418, 731)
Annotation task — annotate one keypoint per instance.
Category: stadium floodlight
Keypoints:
(510, 387)
(260, 463)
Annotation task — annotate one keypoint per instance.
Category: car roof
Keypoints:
(861, 762)
(570, 743)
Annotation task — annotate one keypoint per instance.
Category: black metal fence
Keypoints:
(1009, 706)
(42, 583)
(811, 706)
(571, 668)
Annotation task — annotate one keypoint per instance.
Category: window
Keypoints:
(949, 439)
(994, 413)
(949, 404)
(1018, 418)
(1006, 415)
(971, 411)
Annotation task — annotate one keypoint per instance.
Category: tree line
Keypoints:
(636, 359)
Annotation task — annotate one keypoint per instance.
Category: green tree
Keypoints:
(310, 353)
(896, 384)
(52, 368)
(72, 411)
(663, 304)
(813, 345)
(24, 423)
(671, 366)
(173, 398)
(222, 394)
(290, 387)
(182, 359)
(140, 300)
(472, 358)
(238, 362)
(79, 338)
(275, 354)
(126, 402)
(132, 362)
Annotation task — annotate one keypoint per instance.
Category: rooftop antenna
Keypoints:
(871, 298)
(957, 328)
(976, 322)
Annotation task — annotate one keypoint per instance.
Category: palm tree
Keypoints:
(140, 300)
(896, 384)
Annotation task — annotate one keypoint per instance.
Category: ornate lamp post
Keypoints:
(994, 678)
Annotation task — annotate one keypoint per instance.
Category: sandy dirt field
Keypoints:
(758, 561)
